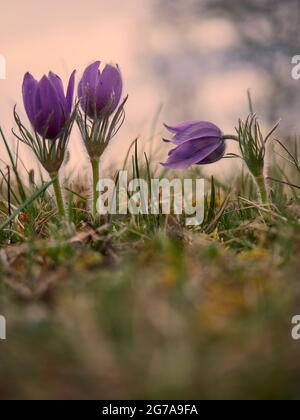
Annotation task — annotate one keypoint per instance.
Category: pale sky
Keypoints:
(65, 35)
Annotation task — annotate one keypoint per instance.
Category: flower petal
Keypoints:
(70, 94)
(217, 155)
(58, 86)
(199, 131)
(50, 117)
(191, 153)
(180, 127)
(29, 89)
(109, 89)
(87, 88)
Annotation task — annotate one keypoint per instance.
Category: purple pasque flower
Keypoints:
(197, 143)
(47, 106)
(100, 92)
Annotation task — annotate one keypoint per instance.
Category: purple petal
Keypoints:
(29, 89)
(58, 86)
(91, 76)
(109, 89)
(80, 89)
(50, 116)
(87, 88)
(180, 127)
(217, 155)
(70, 94)
(191, 153)
(202, 130)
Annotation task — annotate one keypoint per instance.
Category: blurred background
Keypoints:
(180, 59)
(140, 308)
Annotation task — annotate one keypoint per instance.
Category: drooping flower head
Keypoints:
(197, 143)
(47, 106)
(101, 115)
(100, 92)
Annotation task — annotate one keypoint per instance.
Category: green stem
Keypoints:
(230, 137)
(261, 183)
(96, 177)
(58, 194)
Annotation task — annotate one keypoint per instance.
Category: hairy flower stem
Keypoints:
(96, 177)
(58, 194)
(230, 137)
(261, 184)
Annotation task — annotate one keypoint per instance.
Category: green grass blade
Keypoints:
(26, 203)
(14, 166)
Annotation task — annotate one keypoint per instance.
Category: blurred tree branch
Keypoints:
(268, 37)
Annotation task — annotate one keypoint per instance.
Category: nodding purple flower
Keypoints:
(197, 143)
(46, 105)
(100, 92)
